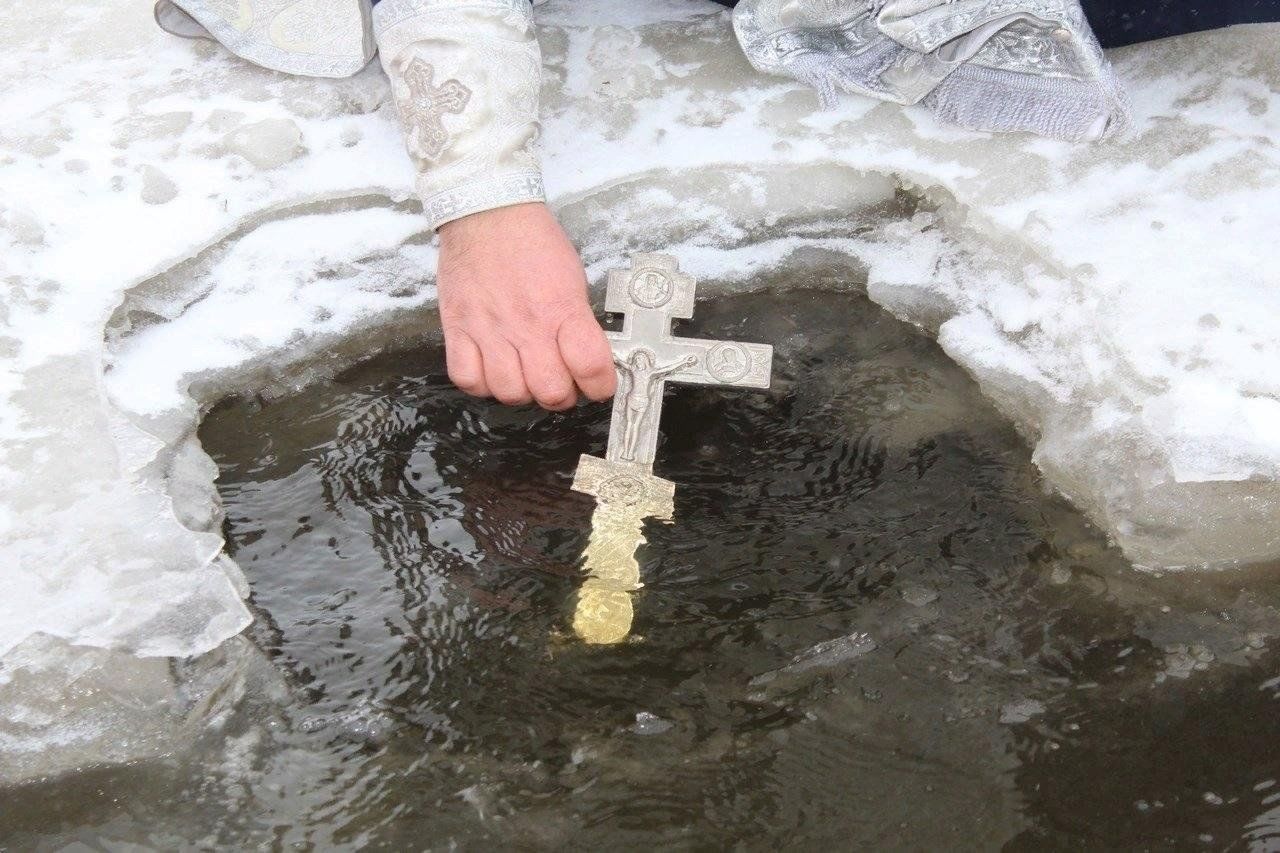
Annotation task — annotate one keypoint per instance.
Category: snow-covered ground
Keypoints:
(175, 224)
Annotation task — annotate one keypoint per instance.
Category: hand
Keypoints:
(513, 303)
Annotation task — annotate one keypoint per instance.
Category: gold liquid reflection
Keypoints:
(626, 495)
(604, 611)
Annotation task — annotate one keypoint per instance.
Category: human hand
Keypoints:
(513, 304)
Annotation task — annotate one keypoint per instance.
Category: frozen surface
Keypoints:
(175, 224)
(69, 706)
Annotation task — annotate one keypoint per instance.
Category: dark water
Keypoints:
(413, 556)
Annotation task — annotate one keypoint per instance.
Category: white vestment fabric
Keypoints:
(466, 77)
(466, 74)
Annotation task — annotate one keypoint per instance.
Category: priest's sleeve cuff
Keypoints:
(465, 75)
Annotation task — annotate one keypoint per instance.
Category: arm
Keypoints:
(625, 372)
(687, 361)
(466, 75)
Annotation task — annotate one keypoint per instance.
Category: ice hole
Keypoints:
(868, 604)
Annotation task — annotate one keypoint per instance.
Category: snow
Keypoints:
(176, 225)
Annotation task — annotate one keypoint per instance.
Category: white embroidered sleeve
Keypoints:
(465, 75)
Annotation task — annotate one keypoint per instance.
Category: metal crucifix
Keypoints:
(650, 295)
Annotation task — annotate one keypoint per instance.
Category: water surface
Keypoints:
(413, 556)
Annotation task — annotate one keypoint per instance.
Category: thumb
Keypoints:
(586, 353)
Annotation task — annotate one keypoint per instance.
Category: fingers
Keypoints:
(586, 354)
(547, 371)
(547, 378)
(465, 364)
(503, 374)
(511, 278)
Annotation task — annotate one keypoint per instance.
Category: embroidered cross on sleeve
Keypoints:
(466, 76)
(425, 107)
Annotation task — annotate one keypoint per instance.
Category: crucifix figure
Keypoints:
(649, 295)
(642, 379)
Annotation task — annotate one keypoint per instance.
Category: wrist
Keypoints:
(485, 224)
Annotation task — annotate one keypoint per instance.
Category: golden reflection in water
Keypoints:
(604, 612)
(626, 494)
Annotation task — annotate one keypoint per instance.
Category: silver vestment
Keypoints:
(1005, 65)
(466, 73)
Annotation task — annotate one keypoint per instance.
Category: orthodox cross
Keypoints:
(424, 108)
(650, 295)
